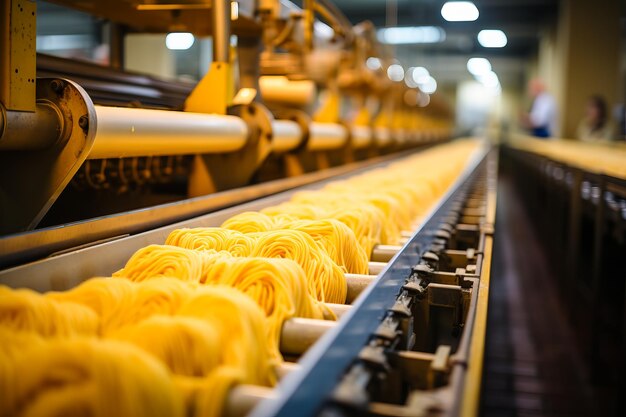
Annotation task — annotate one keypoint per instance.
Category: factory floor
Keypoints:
(532, 364)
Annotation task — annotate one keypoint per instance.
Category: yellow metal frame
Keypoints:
(215, 91)
(17, 55)
(471, 395)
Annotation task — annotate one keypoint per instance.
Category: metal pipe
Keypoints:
(282, 90)
(384, 253)
(286, 135)
(361, 136)
(28, 131)
(299, 334)
(242, 398)
(326, 136)
(123, 132)
(356, 284)
(382, 136)
(220, 19)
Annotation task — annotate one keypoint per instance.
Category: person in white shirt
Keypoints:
(542, 119)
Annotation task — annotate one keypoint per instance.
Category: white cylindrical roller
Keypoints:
(125, 132)
(285, 368)
(398, 136)
(326, 136)
(356, 284)
(361, 136)
(243, 398)
(382, 136)
(298, 334)
(376, 268)
(280, 89)
(384, 253)
(337, 309)
(287, 135)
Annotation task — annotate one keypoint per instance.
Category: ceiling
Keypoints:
(523, 21)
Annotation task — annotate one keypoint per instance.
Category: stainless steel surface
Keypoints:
(299, 334)
(124, 132)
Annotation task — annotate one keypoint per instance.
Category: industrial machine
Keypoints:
(87, 141)
(250, 134)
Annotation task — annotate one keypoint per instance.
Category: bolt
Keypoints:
(83, 122)
(57, 86)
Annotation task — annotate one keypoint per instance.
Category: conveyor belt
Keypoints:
(374, 343)
(420, 323)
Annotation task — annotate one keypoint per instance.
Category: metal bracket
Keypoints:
(219, 172)
(31, 181)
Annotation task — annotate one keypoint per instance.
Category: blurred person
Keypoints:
(541, 120)
(595, 125)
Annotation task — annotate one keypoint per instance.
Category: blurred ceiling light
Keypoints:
(234, 10)
(478, 66)
(408, 78)
(373, 63)
(179, 41)
(492, 38)
(395, 72)
(411, 34)
(430, 86)
(459, 11)
(420, 75)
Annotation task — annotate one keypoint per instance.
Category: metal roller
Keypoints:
(382, 136)
(299, 334)
(280, 89)
(123, 132)
(361, 136)
(286, 135)
(326, 136)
